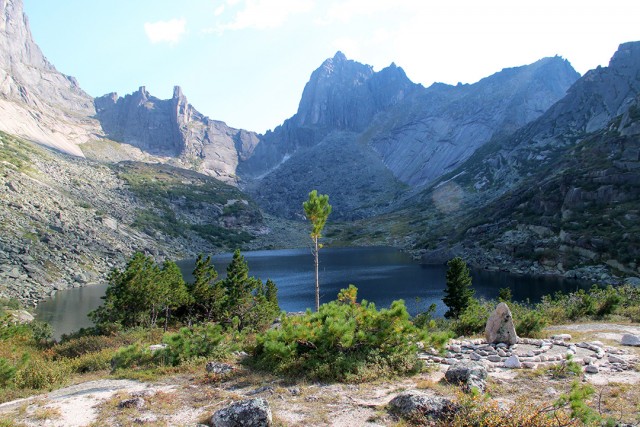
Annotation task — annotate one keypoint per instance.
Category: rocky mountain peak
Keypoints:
(344, 94)
(627, 57)
(17, 42)
(173, 128)
(177, 92)
(37, 101)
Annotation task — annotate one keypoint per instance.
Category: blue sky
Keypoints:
(246, 61)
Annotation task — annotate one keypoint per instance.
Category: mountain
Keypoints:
(365, 137)
(341, 95)
(37, 101)
(440, 127)
(560, 194)
(173, 128)
(66, 221)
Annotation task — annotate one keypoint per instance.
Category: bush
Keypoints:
(480, 410)
(473, 319)
(132, 357)
(595, 304)
(92, 362)
(7, 372)
(190, 343)
(40, 374)
(81, 346)
(530, 323)
(343, 341)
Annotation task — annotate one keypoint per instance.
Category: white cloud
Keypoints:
(265, 14)
(165, 31)
(219, 10)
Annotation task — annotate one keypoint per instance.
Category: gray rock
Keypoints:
(500, 327)
(468, 374)
(415, 405)
(631, 340)
(219, 368)
(561, 337)
(591, 369)
(20, 316)
(616, 359)
(157, 347)
(512, 362)
(245, 413)
(136, 402)
(39, 102)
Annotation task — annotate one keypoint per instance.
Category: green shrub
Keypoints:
(7, 372)
(343, 341)
(190, 343)
(608, 302)
(87, 344)
(132, 357)
(474, 318)
(595, 303)
(92, 362)
(530, 323)
(42, 374)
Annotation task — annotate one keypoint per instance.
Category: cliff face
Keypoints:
(174, 128)
(559, 195)
(341, 95)
(438, 128)
(36, 101)
(392, 133)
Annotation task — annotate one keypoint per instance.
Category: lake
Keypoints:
(381, 274)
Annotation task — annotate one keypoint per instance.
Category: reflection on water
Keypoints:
(381, 275)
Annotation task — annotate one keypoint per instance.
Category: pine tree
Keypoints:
(174, 290)
(458, 294)
(317, 210)
(132, 294)
(271, 294)
(207, 295)
(241, 291)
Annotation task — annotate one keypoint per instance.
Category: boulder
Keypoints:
(245, 413)
(500, 327)
(219, 368)
(415, 405)
(468, 374)
(629, 339)
(136, 402)
(20, 316)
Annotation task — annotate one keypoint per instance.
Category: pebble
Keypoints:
(616, 359)
(591, 369)
(512, 362)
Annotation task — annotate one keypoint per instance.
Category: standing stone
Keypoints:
(246, 413)
(500, 327)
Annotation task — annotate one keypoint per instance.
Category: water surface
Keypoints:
(381, 274)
